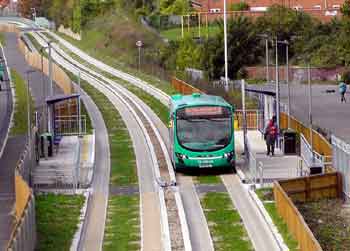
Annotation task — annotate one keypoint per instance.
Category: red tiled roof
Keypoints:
(305, 4)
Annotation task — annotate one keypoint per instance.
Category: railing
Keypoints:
(67, 178)
(254, 119)
(69, 125)
(310, 157)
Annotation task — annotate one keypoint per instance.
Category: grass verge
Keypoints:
(122, 224)
(20, 118)
(2, 39)
(117, 64)
(175, 34)
(208, 179)
(123, 166)
(57, 218)
(225, 224)
(266, 196)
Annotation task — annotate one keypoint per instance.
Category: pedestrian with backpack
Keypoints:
(342, 91)
(270, 135)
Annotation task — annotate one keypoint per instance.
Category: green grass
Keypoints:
(122, 224)
(20, 121)
(157, 107)
(2, 39)
(208, 179)
(225, 224)
(123, 166)
(57, 218)
(160, 109)
(105, 56)
(265, 194)
(175, 34)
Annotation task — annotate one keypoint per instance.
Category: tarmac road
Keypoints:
(327, 111)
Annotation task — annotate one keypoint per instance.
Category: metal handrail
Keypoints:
(309, 156)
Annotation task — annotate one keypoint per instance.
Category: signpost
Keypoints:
(139, 44)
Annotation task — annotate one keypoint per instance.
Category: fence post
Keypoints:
(307, 188)
(340, 185)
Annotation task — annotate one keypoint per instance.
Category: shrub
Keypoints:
(346, 77)
(241, 6)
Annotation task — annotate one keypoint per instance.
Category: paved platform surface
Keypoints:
(274, 168)
(60, 169)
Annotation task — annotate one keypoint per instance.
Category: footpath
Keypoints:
(15, 144)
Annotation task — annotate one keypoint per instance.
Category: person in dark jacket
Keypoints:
(270, 135)
(342, 91)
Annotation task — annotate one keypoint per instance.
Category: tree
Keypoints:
(241, 6)
(345, 9)
(174, 7)
(188, 54)
(243, 48)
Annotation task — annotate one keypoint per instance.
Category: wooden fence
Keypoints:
(35, 60)
(320, 143)
(304, 189)
(183, 87)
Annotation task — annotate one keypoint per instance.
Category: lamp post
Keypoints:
(79, 105)
(34, 13)
(225, 44)
(285, 42)
(277, 90)
(28, 113)
(310, 110)
(44, 108)
(266, 37)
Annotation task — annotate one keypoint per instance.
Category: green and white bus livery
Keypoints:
(201, 132)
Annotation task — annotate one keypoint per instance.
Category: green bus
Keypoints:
(201, 132)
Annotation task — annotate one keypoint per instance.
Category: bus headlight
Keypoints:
(181, 157)
(229, 155)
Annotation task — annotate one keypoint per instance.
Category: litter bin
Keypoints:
(46, 141)
(290, 142)
(315, 169)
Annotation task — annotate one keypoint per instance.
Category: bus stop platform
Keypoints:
(270, 168)
(70, 167)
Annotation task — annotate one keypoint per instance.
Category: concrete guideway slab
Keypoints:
(198, 227)
(258, 230)
(146, 178)
(93, 231)
(150, 215)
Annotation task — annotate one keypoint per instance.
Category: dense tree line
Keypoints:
(77, 13)
(323, 44)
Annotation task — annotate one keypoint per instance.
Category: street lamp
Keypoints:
(285, 42)
(34, 13)
(266, 37)
(277, 89)
(225, 44)
(28, 112)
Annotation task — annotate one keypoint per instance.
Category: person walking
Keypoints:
(270, 135)
(342, 91)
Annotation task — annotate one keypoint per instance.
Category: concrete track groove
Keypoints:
(257, 228)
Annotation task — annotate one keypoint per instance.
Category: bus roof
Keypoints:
(179, 100)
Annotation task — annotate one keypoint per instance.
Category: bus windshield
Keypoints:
(204, 128)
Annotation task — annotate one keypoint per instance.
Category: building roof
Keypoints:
(197, 99)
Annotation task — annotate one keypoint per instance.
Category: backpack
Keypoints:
(342, 87)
